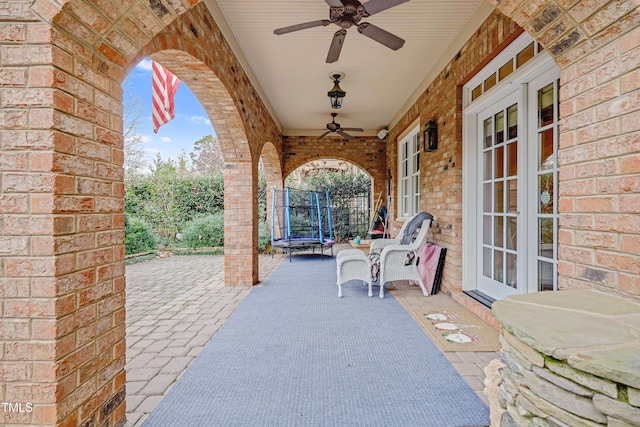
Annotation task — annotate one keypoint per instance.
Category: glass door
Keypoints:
(543, 230)
(510, 181)
(498, 189)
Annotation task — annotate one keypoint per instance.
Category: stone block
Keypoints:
(634, 396)
(517, 419)
(580, 406)
(617, 409)
(603, 386)
(620, 364)
(508, 395)
(562, 382)
(590, 320)
(538, 422)
(527, 352)
(527, 408)
(554, 422)
(557, 412)
(507, 421)
(612, 422)
(514, 360)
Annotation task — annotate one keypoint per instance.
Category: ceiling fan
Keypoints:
(335, 127)
(347, 13)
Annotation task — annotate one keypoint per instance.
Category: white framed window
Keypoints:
(409, 174)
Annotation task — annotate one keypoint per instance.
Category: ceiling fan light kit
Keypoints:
(336, 95)
(348, 13)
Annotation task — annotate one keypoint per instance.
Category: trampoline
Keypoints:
(301, 220)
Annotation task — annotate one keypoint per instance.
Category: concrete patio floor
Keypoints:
(176, 304)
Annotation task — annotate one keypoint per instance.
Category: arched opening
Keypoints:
(351, 194)
(367, 153)
(75, 215)
(240, 193)
(173, 177)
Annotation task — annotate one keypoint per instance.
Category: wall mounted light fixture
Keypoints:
(336, 95)
(430, 136)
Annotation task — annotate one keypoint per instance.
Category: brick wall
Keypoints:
(597, 46)
(368, 153)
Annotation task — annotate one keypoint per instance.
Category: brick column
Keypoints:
(61, 234)
(240, 228)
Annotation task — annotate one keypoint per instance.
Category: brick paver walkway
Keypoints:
(175, 305)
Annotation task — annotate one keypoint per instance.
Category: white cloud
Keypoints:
(165, 139)
(152, 150)
(200, 120)
(144, 65)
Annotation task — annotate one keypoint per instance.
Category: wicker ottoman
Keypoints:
(353, 264)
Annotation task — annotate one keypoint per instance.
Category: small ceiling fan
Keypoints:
(335, 127)
(347, 13)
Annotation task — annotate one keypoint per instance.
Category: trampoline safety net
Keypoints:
(301, 220)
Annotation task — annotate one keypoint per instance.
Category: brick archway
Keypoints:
(368, 153)
(232, 105)
(239, 185)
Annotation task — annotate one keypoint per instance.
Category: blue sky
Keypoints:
(190, 124)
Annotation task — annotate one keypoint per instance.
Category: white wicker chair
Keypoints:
(393, 256)
(381, 243)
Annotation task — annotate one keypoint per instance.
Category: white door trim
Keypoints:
(537, 66)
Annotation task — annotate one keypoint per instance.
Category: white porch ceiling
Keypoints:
(290, 73)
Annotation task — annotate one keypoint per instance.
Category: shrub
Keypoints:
(138, 237)
(168, 202)
(264, 237)
(205, 231)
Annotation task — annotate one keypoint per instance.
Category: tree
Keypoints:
(134, 155)
(207, 155)
(183, 164)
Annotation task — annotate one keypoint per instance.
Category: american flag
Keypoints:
(164, 87)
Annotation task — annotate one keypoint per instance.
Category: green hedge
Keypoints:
(205, 231)
(139, 237)
(169, 202)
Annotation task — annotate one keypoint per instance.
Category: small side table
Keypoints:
(364, 245)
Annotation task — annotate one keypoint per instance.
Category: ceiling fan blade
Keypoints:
(325, 134)
(374, 6)
(336, 46)
(334, 3)
(304, 26)
(381, 36)
(353, 129)
(346, 135)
